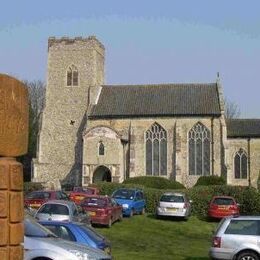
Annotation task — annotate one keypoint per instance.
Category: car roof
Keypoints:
(223, 196)
(174, 193)
(244, 217)
(98, 197)
(62, 202)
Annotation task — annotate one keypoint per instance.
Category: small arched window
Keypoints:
(240, 164)
(101, 149)
(72, 76)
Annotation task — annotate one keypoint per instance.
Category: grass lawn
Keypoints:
(144, 237)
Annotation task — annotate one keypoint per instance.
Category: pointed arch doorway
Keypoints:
(102, 173)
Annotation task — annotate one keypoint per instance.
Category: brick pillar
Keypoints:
(11, 209)
(14, 118)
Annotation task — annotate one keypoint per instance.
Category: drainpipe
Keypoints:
(249, 162)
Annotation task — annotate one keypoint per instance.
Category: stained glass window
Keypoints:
(240, 164)
(156, 150)
(199, 150)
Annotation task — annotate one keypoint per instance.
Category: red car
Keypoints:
(102, 210)
(36, 198)
(223, 206)
(80, 193)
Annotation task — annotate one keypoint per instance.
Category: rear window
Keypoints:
(95, 202)
(172, 198)
(124, 194)
(56, 209)
(38, 195)
(243, 227)
(223, 201)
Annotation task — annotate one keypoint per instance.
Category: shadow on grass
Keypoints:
(196, 258)
(167, 218)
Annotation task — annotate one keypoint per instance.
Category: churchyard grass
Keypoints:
(144, 237)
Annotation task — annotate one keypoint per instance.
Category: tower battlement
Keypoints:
(67, 41)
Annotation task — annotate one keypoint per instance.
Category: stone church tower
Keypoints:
(75, 72)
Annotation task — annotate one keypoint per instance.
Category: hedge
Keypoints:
(154, 182)
(210, 180)
(248, 198)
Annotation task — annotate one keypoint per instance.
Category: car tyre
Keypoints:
(247, 255)
(120, 217)
(143, 211)
(109, 225)
(131, 213)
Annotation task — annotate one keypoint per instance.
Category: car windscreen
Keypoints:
(92, 234)
(57, 209)
(94, 202)
(38, 195)
(124, 194)
(34, 229)
(172, 198)
(223, 201)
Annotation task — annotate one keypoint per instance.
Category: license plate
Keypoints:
(91, 213)
(35, 205)
(223, 207)
(79, 197)
(172, 209)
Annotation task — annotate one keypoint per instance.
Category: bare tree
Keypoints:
(36, 91)
(231, 109)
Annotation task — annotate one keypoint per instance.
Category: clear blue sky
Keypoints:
(146, 41)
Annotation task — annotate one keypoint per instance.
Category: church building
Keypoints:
(94, 132)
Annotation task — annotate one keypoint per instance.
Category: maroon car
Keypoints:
(79, 193)
(102, 210)
(36, 198)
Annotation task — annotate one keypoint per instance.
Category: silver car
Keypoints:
(237, 238)
(40, 243)
(61, 210)
(174, 204)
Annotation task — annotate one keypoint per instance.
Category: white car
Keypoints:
(40, 243)
(173, 204)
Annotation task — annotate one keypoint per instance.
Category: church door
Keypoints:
(102, 173)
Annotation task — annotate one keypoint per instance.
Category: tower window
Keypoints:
(240, 164)
(101, 149)
(72, 76)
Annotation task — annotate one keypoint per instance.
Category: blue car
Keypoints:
(132, 200)
(78, 232)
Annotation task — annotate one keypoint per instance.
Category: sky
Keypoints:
(146, 41)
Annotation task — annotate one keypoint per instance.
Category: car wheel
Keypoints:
(109, 225)
(143, 211)
(120, 217)
(131, 213)
(247, 255)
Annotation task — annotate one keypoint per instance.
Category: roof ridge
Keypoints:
(159, 84)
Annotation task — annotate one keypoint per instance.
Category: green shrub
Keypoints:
(210, 180)
(31, 186)
(154, 182)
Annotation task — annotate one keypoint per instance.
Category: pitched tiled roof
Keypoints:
(157, 100)
(243, 128)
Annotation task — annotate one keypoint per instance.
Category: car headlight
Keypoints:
(80, 255)
(125, 206)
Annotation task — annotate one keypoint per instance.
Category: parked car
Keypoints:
(223, 206)
(78, 232)
(61, 210)
(132, 201)
(41, 243)
(102, 210)
(79, 193)
(237, 238)
(36, 198)
(174, 204)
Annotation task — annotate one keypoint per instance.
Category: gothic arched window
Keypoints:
(72, 76)
(240, 164)
(199, 150)
(101, 149)
(156, 150)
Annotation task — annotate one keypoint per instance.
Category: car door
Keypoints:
(139, 200)
(116, 209)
